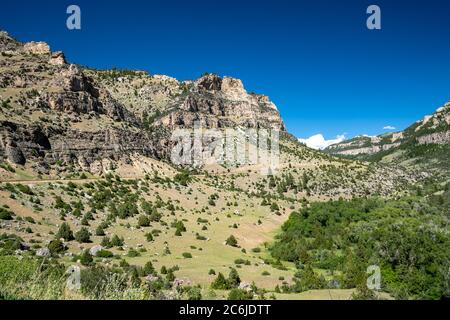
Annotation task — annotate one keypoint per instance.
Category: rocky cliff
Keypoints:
(53, 112)
(428, 138)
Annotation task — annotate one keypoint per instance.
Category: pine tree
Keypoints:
(231, 241)
(233, 279)
(64, 232)
(83, 236)
(220, 283)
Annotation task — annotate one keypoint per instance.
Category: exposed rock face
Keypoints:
(223, 103)
(233, 89)
(14, 154)
(7, 43)
(432, 129)
(368, 150)
(58, 58)
(36, 48)
(94, 151)
(91, 119)
(435, 138)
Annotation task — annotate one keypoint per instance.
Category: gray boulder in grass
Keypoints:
(43, 252)
(95, 250)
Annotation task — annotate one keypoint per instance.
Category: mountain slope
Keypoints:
(86, 179)
(52, 111)
(59, 120)
(424, 144)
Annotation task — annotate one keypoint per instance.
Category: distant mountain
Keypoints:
(425, 143)
(61, 120)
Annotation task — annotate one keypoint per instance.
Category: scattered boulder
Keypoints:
(179, 282)
(43, 252)
(151, 278)
(245, 286)
(95, 250)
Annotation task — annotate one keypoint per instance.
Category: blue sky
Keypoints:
(317, 61)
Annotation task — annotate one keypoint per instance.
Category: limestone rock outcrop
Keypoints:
(90, 119)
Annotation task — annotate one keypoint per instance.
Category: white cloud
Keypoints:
(389, 128)
(318, 141)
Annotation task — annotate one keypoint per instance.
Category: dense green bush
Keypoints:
(6, 214)
(64, 232)
(143, 221)
(183, 178)
(105, 254)
(231, 241)
(239, 294)
(221, 283)
(187, 255)
(83, 236)
(116, 241)
(408, 238)
(86, 258)
(192, 292)
(56, 246)
(9, 243)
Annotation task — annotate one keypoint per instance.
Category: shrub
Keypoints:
(83, 236)
(30, 220)
(9, 243)
(6, 214)
(99, 231)
(220, 283)
(187, 255)
(105, 254)
(116, 241)
(98, 281)
(149, 269)
(149, 237)
(64, 232)
(200, 237)
(233, 279)
(242, 261)
(132, 253)
(183, 178)
(106, 242)
(56, 247)
(86, 258)
(143, 221)
(231, 241)
(239, 294)
(193, 292)
(274, 207)
(25, 189)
